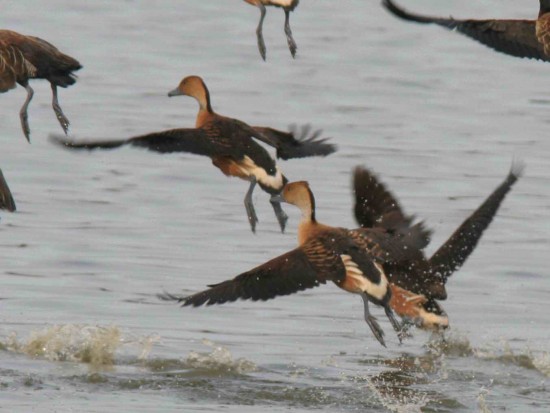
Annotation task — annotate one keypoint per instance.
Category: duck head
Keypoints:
(195, 87)
(299, 194)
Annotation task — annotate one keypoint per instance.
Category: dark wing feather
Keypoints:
(239, 136)
(375, 206)
(284, 275)
(296, 143)
(452, 255)
(372, 200)
(513, 37)
(6, 199)
(194, 141)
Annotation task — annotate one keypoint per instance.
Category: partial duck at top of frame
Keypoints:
(520, 38)
(287, 6)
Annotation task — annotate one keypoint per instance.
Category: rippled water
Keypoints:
(97, 235)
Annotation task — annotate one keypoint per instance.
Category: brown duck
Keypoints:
(353, 259)
(27, 57)
(520, 38)
(288, 6)
(416, 284)
(230, 143)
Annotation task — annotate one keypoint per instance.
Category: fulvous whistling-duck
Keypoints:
(230, 144)
(6, 199)
(520, 38)
(353, 259)
(27, 57)
(418, 283)
(288, 6)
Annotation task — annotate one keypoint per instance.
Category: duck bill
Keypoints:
(175, 92)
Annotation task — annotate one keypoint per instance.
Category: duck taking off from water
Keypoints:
(288, 6)
(26, 57)
(353, 259)
(6, 199)
(416, 284)
(520, 38)
(230, 143)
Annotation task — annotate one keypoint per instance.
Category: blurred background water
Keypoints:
(96, 235)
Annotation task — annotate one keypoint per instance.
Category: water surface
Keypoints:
(97, 235)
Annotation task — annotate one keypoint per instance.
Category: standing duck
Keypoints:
(288, 6)
(520, 38)
(6, 199)
(231, 145)
(28, 57)
(353, 259)
(418, 283)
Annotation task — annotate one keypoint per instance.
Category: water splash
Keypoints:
(219, 359)
(542, 363)
(482, 403)
(94, 345)
(457, 345)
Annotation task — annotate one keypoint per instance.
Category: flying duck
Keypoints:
(520, 38)
(230, 143)
(352, 259)
(417, 284)
(28, 57)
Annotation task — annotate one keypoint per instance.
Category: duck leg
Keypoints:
(395, 324)
(259, 33)
(291, 43)
(371, 321)
(279, 213)
(61, 118)
(250, 212)
(23, 114)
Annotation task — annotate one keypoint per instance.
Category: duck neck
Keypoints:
(205, 107)
(308, 223)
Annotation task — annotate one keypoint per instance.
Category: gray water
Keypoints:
(97, 235)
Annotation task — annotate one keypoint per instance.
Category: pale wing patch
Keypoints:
(249, 168)
(361, 283)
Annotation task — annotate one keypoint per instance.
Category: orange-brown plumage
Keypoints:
(352, 259)
(27, 57)
(376, 207)
(231, 145)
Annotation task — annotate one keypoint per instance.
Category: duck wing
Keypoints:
(454, 252)
(376, 206)
(298, 142)
(196, 141)
(299, 269)
(513, 37)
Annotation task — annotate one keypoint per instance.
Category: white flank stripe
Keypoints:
(377, 291)
(251, 169)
